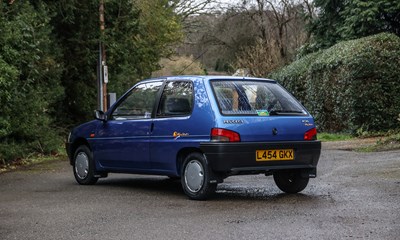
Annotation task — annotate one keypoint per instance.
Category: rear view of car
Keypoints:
(261, 128)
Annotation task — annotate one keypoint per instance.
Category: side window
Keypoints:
(139, 103)
(176, 99)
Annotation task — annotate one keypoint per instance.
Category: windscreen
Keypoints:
(262, 98)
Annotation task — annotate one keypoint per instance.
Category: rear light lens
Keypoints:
(224, 135)
(311, 134)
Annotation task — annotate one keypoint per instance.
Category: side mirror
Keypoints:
(100, 115)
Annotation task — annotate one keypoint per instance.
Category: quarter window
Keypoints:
(176, 99)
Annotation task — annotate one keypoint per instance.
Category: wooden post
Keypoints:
(103, 55)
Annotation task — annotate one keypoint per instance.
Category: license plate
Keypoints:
(274, 155)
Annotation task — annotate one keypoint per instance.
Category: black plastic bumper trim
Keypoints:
(240, 157)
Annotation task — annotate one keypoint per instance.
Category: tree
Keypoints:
(137, 35)
(251, 28)
(259, 59)
(29, 80)
(324, 27)
(186, 9)
(76, 28)
(364, 18)
(340, 20)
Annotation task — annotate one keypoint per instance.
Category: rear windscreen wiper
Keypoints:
(286, 112)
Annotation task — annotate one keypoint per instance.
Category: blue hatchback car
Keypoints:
(201, 129)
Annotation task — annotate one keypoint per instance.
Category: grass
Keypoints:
(387, 143)
(33, 159)
(330, 137)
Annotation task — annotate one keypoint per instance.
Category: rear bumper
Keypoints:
(238, 158)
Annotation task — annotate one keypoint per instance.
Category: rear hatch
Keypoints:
(261, 110)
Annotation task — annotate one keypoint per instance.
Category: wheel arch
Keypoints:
(78, 142)
(180, 157)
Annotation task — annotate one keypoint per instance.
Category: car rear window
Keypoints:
(262, 98)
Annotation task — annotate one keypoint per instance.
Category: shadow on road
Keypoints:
(144, 184)
(225, 192)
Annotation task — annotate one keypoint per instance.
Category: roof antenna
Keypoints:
(193, 62)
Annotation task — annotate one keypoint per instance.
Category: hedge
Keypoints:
(352, 86)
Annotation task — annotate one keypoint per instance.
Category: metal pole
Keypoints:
(103, 57)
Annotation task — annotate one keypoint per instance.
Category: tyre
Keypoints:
(290, 181)
(84, 167)
(195, 177)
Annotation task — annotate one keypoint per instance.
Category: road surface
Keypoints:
(355, 196)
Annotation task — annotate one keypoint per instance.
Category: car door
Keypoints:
(173, 128)
(122, 142)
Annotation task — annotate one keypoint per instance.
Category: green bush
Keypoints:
(352, 86)
(29, 81)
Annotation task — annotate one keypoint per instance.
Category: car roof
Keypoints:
(210, 77)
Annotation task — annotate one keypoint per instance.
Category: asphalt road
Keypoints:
(355, 196)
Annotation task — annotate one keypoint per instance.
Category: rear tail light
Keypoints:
(311, 134)
(224, 135)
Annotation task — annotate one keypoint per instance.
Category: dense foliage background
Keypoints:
(351, 87)
(48, 60)
(30, 85)
(342, 71)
